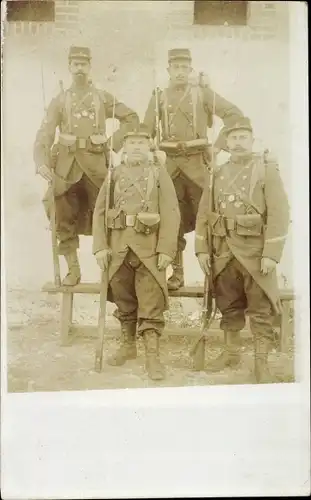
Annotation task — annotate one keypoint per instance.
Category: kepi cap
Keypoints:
(241, 123)
(140, 131)
(179, 54)
(79, 53)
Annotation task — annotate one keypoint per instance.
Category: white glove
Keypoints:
(163, 261)
(103, 258)
(267, 265)
(205, 262)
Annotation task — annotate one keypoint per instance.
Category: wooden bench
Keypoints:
(68, 329)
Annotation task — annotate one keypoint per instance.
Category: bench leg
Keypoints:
(66, 317)
(285, 327)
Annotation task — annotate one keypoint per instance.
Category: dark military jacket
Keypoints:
(80, 116)
(249, 218)
(144, 188)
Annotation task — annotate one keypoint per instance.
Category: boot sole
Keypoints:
(173, 288)
(71, 284)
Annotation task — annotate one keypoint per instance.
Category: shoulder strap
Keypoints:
(258, 175)
(194, 96)
(67, 106)
(96, 101)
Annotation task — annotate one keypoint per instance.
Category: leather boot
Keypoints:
(230, 357)
(176, 281)
(153, 366)
(262, 373)
(127, 348)
(73, 277)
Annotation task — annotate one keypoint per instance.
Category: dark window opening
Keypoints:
(219, 13)
(30, 11)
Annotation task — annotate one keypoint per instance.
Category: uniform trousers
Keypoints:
(138, 295)
(80, 196)
(237, 293)
(188, 189)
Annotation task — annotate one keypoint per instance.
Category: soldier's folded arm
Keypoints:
(46, 134)
(127, 117)
(99, 224)
(224, 109)
(200, 245)
(169, 215)
(278, 214)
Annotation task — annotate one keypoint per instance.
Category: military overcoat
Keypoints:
(145, 188)
(249, 219)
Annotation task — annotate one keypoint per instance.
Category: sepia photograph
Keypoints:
(178, 271)
(147, 194)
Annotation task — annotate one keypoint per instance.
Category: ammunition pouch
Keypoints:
(116, 219)
(94, 144)
(143, 222)
(249, 225)
(69, 141)
(195, 146)
(147, 223)
(243, 225)
(217, 223)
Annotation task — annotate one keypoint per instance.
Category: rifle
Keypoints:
(56, 265)
(104, 274)
(209, 307)
(157, 118)
(157, 114)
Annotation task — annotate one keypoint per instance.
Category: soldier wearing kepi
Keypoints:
(143, 222)
(77, 163)
(249, 221)
(186, 111)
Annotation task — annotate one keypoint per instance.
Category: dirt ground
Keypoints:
(37, 362)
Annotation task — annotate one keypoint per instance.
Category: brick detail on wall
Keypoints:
(66, 19)
(266, 20)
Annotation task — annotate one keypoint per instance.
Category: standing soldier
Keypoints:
(249, 222)
(77, 164)
(143, 222)
(185, 111)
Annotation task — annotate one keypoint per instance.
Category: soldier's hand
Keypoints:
(45, 172)
(103, 258)
(163, 261)
(205, 262)
(267, 265)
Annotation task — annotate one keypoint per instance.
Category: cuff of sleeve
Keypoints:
(162, 248)
(97, 249)
(100, 253)
(273, 250)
